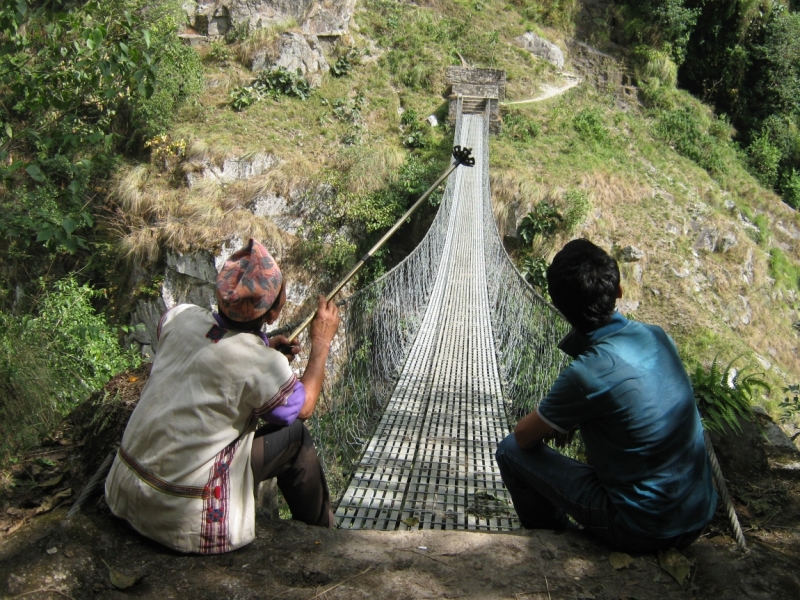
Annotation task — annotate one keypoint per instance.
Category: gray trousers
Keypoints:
(288, 454)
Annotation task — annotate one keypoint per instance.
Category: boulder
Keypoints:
(741, 455)
(303, 53)
(193, 39)
(631, 254)
(329, 17)
(626, 306)
(190, 278)
(727, 242)
(782, 455)
(541, 47)
(706, 240)
(144, 323)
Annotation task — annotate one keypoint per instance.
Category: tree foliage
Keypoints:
(741, 56)
(52, 358)
(65, 76)
(79, 85)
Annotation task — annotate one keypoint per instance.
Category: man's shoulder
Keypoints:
(639, 332)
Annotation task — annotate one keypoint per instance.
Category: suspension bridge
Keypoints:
(435, 358)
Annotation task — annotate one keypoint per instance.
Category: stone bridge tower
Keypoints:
(479, 88)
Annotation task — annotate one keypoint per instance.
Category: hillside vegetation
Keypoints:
(95, 175)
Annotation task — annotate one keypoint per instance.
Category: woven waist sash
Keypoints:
(183, 491)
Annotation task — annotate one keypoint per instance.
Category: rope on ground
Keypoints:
(722, 488)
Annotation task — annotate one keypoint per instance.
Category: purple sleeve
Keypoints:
(285, 414)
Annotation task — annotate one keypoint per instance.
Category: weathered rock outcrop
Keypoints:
(316, 17)
(541, 47)
(233, 169)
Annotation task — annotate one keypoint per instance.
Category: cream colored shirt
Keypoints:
(182, 476)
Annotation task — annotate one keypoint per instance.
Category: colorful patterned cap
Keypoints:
(248, 283)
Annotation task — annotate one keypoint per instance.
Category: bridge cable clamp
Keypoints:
(463, 156)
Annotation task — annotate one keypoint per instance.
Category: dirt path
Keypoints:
(550, 91)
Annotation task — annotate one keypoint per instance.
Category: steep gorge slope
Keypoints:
(714, 257)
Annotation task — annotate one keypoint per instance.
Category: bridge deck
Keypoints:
(431, 461)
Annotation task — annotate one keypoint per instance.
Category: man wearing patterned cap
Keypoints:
(192, 453)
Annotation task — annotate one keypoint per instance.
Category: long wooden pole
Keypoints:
(461, 156)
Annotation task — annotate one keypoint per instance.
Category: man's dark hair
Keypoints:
(583, 281)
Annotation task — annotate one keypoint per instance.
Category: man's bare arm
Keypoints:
(321, 333)
(531, 430)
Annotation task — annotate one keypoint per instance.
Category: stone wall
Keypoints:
(479, 87)
(465, 75)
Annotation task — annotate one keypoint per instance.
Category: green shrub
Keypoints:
(273, 82)
(654, 67)
(280, 81)
(559, 14)
(220, 52)
(763, 159)
(534, 270)
(725, 396)
(243, 96)
(238, 33)
(790, 407)
(790, 189)
(52, 359)
(590, 127)
(578, 207)
(341, 67)
(413, 131)
(762, 225)
(542, 220)
(179, 77)
(785, 273)
(682, 130)
(364, 216)
(519, 127)
(665, 25)
(345, 63)
(349, 111)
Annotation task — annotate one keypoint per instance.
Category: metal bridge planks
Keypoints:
(430, 463)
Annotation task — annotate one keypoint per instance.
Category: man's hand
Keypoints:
(289, 349)
(563, 439)
(325, 323)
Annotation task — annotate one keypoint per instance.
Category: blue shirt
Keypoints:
(630, 396)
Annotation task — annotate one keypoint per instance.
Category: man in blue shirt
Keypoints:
(649, 484)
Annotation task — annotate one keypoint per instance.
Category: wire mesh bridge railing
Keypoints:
(431, 361)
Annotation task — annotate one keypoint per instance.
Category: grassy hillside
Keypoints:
(659, 175)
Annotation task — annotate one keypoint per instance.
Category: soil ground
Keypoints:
(53, 557)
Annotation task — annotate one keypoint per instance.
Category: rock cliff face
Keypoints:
(323, 18)
(190, 278)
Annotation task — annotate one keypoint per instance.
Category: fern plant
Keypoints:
(724, 396)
